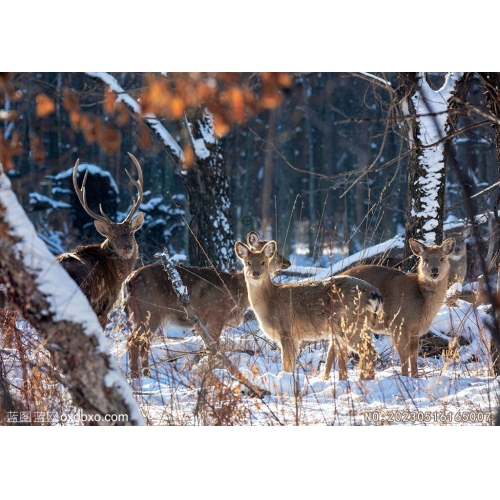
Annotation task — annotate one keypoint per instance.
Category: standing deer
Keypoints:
(219, 299)
(340, 309)
(411, 301)
(458, 259)
(100, 269)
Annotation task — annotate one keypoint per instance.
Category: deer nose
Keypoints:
(255, 274)
(434, 272)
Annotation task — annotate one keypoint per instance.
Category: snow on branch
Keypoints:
(375, 79)
(150, 119)
(397, 242)
(432, 109)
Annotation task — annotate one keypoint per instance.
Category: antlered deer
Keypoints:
(341, 309)
(219, 299)
(411, 301)
(100, 269)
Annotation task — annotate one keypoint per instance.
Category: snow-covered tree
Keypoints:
(43, 293)
(429, 120)
(211, 236)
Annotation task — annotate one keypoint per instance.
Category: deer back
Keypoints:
(218, 297)
(411, 300)
(305, 310)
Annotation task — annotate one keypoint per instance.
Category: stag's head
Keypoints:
(120, 236)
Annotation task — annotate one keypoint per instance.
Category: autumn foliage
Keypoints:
(231, 98)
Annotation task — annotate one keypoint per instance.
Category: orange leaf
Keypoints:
(37, 149)
(87, 128)
(237, 104)
(109, 101)
(284, 79)
(271, 97)
(144, 136)
(44, 105)
(16, 144)
(70, 101)
(177, 107)
(74, 118)
(108, 138)
(123, 114)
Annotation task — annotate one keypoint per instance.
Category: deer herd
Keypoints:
(343, 310)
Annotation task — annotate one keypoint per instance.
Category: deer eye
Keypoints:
(426, 261)
(248, 264)
(442, 259)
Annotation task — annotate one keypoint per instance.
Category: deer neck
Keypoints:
(433, 291)
(259, 291)
(124, 263)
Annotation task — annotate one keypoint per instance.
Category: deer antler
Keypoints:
(83, 198)
(139, 185)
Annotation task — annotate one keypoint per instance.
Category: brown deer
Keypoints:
(219, 299)
(100, 269)
(458, 259)
(340, 309)
(412, 300)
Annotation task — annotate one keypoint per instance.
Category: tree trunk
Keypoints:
(39, 289)
(429, 120)
(492, 81)
(211, 236)
(267, 182)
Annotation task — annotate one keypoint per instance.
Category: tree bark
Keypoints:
(267, 182)
(211, 236)
(430, 117)
(492, 81)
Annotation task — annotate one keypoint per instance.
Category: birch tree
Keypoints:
(430, 117)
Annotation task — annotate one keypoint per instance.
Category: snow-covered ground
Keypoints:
(456, 389)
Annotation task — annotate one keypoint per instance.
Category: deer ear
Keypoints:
(467, 232)
(448, 246)
(241, 250)
(252, 239)
(416, 247)
(137, 221)
(269, 249)
(103, 228)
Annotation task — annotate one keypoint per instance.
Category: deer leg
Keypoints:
(145, 345)
(403, 348)
(413, 355)
(288, 353)
(133, 355)
(330, 359)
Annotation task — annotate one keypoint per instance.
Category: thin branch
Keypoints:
(151, 120)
